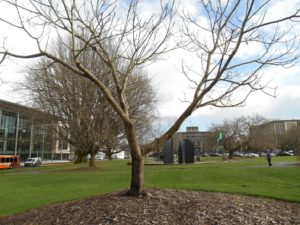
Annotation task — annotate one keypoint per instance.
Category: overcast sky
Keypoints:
(172, 85)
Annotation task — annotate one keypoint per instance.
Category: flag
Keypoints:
(220, 136)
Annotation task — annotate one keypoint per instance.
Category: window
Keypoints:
(23, 146)
(62, 142)
(11, 132)
(24, 130)
(1, 146)
(2, 133)
(11, 145)
(8, 119)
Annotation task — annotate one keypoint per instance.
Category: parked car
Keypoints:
(265, 154)
(251, 155)
(225, 154)
(237, 154)
(100, 156)
(215, 154)
(284, 153)
(33, 162)
(291, 151)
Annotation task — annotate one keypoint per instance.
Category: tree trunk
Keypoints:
(80, 157)
(137, 166)
(230, 154)
(92, 159)
(137, 177)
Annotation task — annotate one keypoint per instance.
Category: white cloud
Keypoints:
(281, 8)
(248, 50)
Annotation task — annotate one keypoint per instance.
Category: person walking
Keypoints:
(269, 157)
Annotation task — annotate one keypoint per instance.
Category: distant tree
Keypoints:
(237, 134)
(213, 142)
(289, 139)
(234, 135)
(139, 39)
(259, 141)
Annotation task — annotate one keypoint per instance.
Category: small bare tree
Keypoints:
(137, 40)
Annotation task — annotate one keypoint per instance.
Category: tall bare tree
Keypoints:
(138, 39)
(88, 122)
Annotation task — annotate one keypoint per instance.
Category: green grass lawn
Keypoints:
(26, 188)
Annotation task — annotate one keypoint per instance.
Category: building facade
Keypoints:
(276, 134)
(29, 132)
(198, 138)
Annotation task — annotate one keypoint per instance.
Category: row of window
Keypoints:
(10, 132)
(17, 132)
(23, 145)
(8, 160)
(8, 119)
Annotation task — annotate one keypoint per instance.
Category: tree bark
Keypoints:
(230, 156)
(137, 177)
(92, 159)
(137, 166)
(80, 157)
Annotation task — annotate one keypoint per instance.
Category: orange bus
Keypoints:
(9, 161)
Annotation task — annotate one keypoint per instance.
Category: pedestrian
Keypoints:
(269, 157)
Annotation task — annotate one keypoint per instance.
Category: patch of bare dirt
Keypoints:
(171, 207)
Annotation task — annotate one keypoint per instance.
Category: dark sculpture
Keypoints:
(168, 152)
(186, 152)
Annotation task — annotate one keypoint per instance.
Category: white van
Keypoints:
(33, 162)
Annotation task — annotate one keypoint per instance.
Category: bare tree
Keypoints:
(138, 40)
(259, 140)
(289, 139)
(87, 120)
(77, 104)
(234, 134)
(239, 134)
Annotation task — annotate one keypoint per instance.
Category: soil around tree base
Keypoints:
(172, 207)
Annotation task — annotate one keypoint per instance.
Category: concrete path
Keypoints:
(279, 164)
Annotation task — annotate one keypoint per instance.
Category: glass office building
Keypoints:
(29, 133)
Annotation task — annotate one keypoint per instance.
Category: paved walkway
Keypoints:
(279, 164)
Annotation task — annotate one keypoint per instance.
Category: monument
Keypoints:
(186, 152)
(168, 152)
